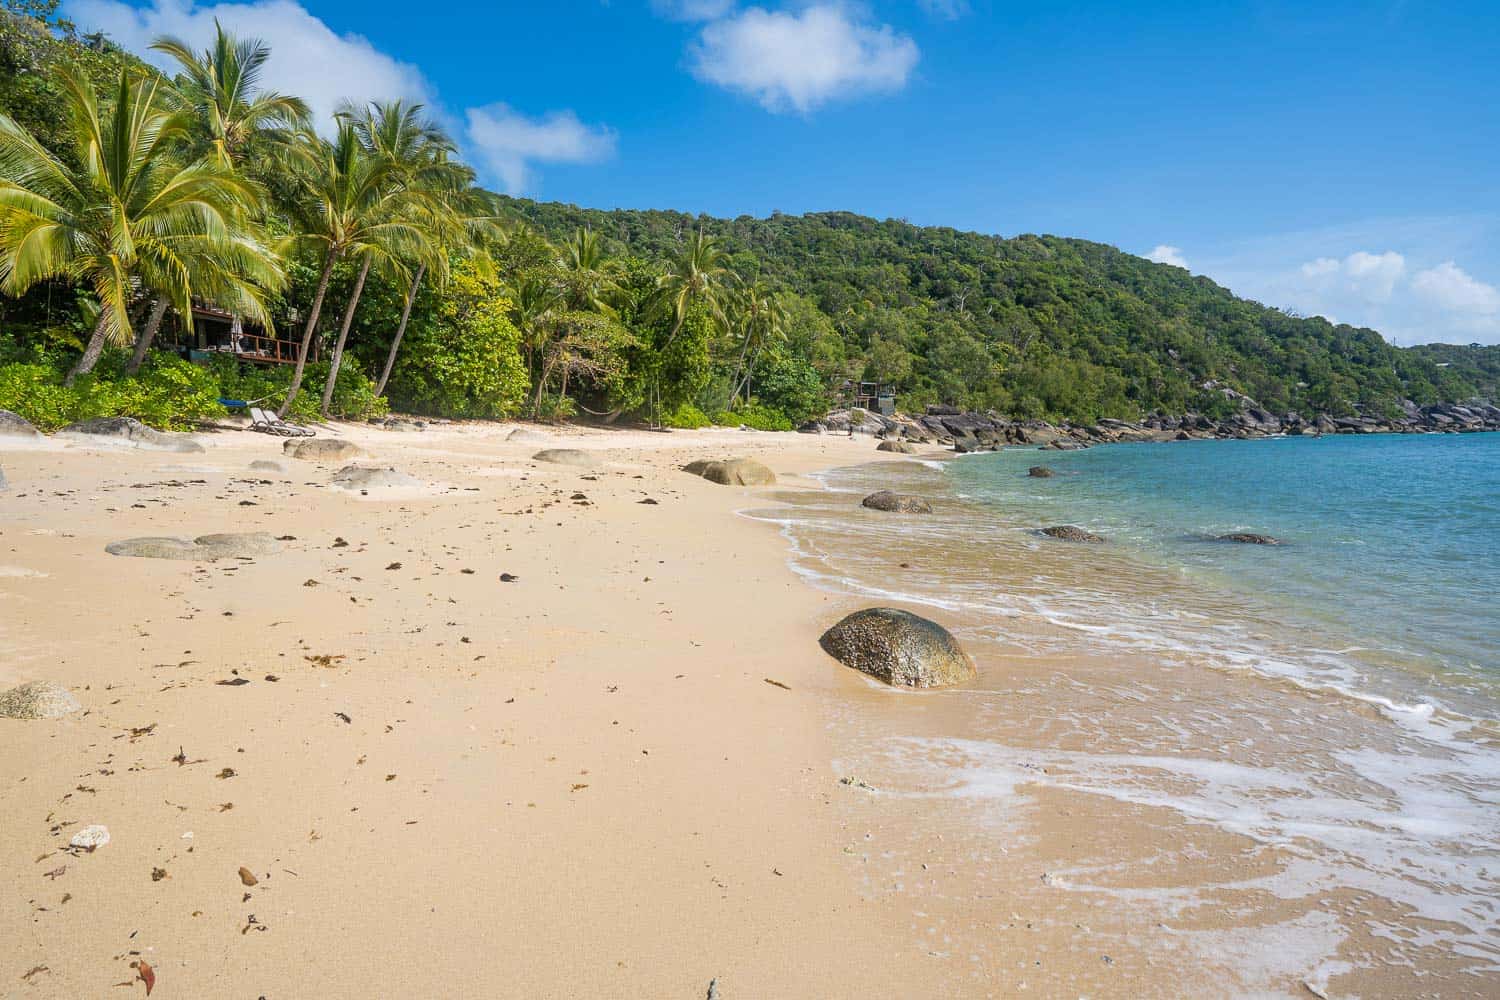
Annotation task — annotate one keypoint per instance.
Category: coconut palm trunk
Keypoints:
(307, 333)
(91, 352)
(147, 335)
(338, 347)
(390, 360)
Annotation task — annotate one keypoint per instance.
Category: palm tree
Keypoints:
(694, 275)
(534, 305)
(218, 92)
(440, 190)
(347, 205)
(219, 86)
(123, 216)
(762, 319)
(587, 273)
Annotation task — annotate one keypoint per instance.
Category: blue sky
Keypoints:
(1333, 158)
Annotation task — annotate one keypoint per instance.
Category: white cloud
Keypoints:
(799, 60)
(1450, 287)
(692, 10)
(1362, 275)
(314, 62)
(508, 142)
(308, 58)
(1164, 254)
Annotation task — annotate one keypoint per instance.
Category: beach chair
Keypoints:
(268, 423)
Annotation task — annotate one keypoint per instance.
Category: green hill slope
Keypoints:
(1034, 326)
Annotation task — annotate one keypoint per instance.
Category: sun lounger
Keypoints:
(268, 423)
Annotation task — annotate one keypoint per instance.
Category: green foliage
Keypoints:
(169, 394)
(756, 417)
(1033, 325)
(685, 416)
(465, 359)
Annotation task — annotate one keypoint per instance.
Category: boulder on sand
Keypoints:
(1071, 533)
(733, 472)
(1249, 538)
(266, 465)
(131, 431)
(37, 700)
(322, 449)
(896, 445)
(575, 457)
(899, 648)
(15, 425)
(205, 547)
(1040, 472)
(361, 477)
(896, 503)
(525, 435)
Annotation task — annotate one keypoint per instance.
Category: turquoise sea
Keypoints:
(1392, 541)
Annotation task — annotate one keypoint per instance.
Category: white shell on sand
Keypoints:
(90, 837)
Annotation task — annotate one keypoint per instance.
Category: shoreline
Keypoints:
(592, 785)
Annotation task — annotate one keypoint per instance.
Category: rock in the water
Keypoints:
(322, 449)
(899, 648)
(575, 457)
(204, 547)
(131, 431)
(733, 472)
(360, 477)
(896, 445)
(1040, 472)
(90, 837)
(15, 425)
(898, 503)
(37, 700)
(266, 465)
(1071, 533)
(1249, 538)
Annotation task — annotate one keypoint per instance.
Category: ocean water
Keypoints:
(1393, 541)
(1332, 699)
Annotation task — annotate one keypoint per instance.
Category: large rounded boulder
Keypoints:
(733, 472)
(1249, 538)
(129, 431)
(575, 457)
(322, 449)
(899, 648)
(1072, 533)
(896, 503)
(362, 478)
(15, 425)
(37, 700)
(896, 445)
(241, 545)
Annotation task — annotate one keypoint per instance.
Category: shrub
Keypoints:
(755, 416)
(686, 417)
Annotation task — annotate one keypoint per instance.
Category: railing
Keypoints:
(254, 347)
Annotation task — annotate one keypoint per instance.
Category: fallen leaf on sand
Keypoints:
(234, 682)
(247, 876)
(390, 777)
(394, 565)
(324, 659)
(148, 976)
(228, 772)
(343, 716)
(777, 684)
(508, 578)
(157, 874)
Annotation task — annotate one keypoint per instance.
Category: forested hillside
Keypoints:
(1035, 325)
(364, 253)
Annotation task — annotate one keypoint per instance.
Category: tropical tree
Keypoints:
(347, 204)
(695, 276)
(534, 304)
(220, 88)
(225, 112)
(123, 216)
(759, 319)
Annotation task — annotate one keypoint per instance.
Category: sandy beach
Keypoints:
(523, 729)
(575, 783)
